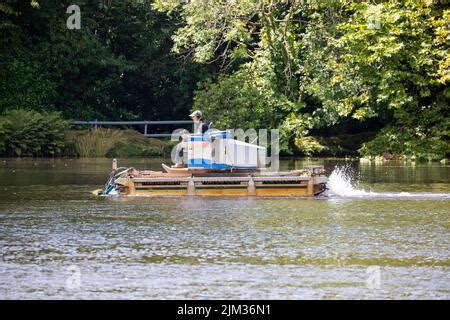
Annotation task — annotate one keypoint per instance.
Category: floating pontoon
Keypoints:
(220, 166)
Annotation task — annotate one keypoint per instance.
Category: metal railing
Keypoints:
(97, 124)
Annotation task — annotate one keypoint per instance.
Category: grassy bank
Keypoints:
(25, 133)
(115, 143)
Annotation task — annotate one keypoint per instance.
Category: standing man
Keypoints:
(199, 126)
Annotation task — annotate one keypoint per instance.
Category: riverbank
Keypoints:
(128, 143)
(25, 133)
(114, 143)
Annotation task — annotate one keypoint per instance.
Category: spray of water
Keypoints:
(343, 183)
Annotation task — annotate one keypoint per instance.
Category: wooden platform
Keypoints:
(153, 183)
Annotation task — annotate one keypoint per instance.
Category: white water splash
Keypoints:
(341, 183)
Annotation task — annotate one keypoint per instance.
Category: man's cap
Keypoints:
(197, 113)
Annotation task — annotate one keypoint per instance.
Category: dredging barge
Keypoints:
(217, 166)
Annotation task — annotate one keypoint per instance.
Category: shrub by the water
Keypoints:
(406, 143)
(30, 133)
(101, 142)
(96, 142)
(134, 144)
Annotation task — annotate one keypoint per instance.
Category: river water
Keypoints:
(381, 232)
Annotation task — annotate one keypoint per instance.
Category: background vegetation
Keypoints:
(47, 134)
(334, 76)
(30, 133)
(100, 142)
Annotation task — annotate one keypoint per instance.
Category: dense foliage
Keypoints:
(30, 133)
(310, 68)
(118, 65)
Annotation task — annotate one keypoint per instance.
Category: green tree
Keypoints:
(312, 66)
(117, 66)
